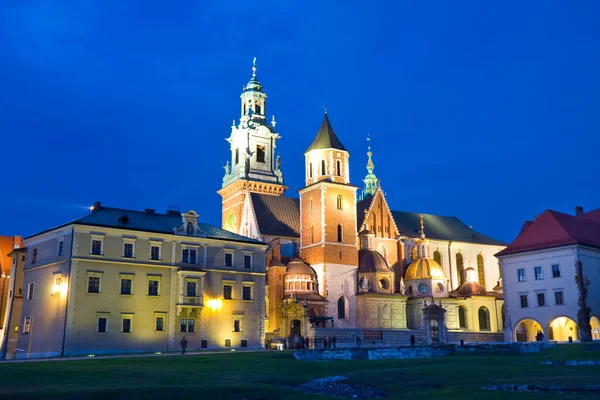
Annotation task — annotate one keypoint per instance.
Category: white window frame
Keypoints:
(126, 275)
(130, 241)
(27, 325)
(129, 316)
(559, 271)
(155, 243)
(197, 282)
(249, 284)
(524, 275)
(151, 277)
(228, 283)
(99, 238)
(58, 248)
(188, 248)
(95, 274)
(232, 252)
(248, 254)
(98, 316)
(162, 315)
(239, 318)
(541, 276)
(537, 300)
(561, 290)
(30, 292)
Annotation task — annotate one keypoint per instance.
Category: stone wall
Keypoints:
(346, 338)
(407, 353)
(474, 337)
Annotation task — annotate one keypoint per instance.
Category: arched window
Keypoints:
(460, 270)
(290, 286)
(312, 235)
(480, 270)
(484, 319)
(258, 108)
(374, 224)
(338, 168)
(303, 285)
(244, 108)
(437, 257)
(323, 169)
(413, 253)
(310, 170)
(340, 202)
(339, 233)
(342, 308)
(381, 249)
(311, 205)
(462, 317)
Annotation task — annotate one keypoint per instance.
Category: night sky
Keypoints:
(487, 112)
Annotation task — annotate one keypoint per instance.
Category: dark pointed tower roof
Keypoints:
(326, 138)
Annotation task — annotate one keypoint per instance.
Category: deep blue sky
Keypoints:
(488, 112)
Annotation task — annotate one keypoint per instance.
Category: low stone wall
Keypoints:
(532, 347)
(408, 353)
(474, 337)
(346, 338)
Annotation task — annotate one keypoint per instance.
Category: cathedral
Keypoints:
(340, 258)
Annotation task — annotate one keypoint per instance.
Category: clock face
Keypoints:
(423, 288)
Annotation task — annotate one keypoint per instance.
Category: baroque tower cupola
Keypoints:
(370, 180)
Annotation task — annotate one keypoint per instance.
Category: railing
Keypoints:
(372, 335)
(190, 300)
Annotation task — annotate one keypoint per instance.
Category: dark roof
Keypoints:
(440, 228)
(277, 215)
(326, 138)
(150, 222)
(553, 229)
(371, 261)
(361, 207)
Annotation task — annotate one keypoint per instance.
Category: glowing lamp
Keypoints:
(59, 286)
(214, 304)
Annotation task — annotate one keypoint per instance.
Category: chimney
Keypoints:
(97, 205)
(149, 210)
(578, 211)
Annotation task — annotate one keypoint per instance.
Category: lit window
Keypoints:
(521, 275)
(229, 259)
(128, 250)
(247, 293)
(340, 201)
(153, 287)
(227, 292)
(539, 275)
(247, 261)
(34, 256)
(558, 298)
(155, 253)
(96, 247)
(524, 301)
(556, 271)
(541, 298)
(260, 154)
(30, 291)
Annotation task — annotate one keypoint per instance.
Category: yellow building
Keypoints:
(139, 281)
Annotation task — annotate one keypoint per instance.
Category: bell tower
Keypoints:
(328, 239)
(253, 166)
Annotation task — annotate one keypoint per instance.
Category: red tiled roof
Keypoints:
(553, 229)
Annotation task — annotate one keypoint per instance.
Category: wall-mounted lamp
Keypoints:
(214, 304)
(59, 286)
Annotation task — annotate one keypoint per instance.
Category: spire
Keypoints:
(422, 227)
(326, 138)
(371, 181)
(254, 68)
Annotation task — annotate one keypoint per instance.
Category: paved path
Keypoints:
(140, 355)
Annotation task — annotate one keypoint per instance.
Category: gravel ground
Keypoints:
(334, 386)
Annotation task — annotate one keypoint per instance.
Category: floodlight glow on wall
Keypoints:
(214, 304)
(59, 286)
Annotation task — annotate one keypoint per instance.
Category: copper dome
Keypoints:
(371, 261)
(299, 267)
(470, 288)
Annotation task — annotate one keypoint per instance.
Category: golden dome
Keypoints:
(424, 268)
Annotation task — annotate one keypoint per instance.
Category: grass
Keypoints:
(269, 375)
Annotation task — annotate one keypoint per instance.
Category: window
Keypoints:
(258, 108)
(484, 319)
(191, 289)
(339, 202)
(247, 261)
(524, 303)
(539, 275)
(229, 259)
(159, 324)
(260, 153)
(126, 324)
(101, 325)
(34, 256)
(126, 285)
(323, 169)
(541, 298)
(338, 168)
(312, 235)
(186, 325)
(437, 257)
(341, 308)
(30, 291)
(61, 247)
(460, 270)
(558, 298)
(153, 286)
(128, 250)
(227, 292)
(244, 343)
(193, 254)
(96, 247)
(339, 233)
(310, 207)
(481, 270)
(246, 292)
(93, 284)
(26, 325)
(155, 253)
(521, 275)
(227, 342)
(556, 271)
(462, 320)
(237, 156)
(310, 171)
(188, 256)
(237, 326)
(204, 344)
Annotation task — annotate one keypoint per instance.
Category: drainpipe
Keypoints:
(62, 353)
(450, 264)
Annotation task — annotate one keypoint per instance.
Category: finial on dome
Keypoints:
(422, 227)
(254, 68)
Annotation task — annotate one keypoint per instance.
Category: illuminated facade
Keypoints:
(138, 281)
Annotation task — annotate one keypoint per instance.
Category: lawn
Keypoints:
(269, 375)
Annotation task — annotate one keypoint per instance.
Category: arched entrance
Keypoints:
(595, 323)
(295, 327)
(434, 331)
(527, 330)
(563, 328)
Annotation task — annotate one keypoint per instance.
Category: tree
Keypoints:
(583, 311)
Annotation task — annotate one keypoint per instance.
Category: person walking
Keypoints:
(183, 344)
